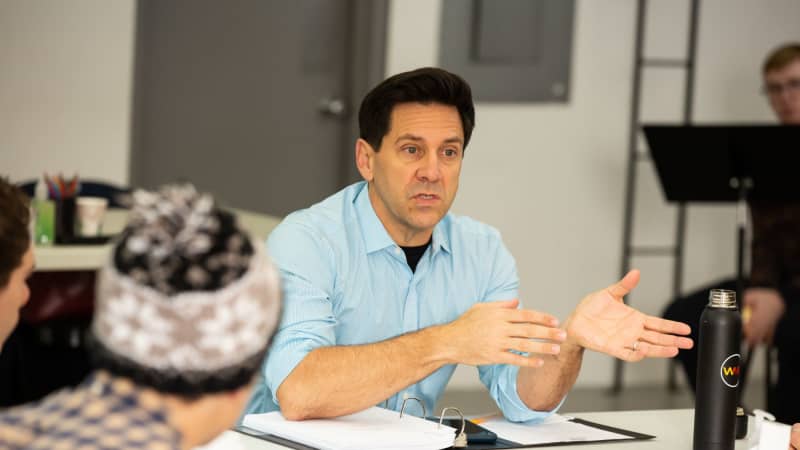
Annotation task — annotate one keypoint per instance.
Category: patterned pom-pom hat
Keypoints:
(187, 303)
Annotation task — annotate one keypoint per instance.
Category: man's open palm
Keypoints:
(604, 323)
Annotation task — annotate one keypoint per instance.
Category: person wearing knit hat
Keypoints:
(186, 309)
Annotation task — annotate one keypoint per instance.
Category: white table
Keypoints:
(672, 428)
(92, 257)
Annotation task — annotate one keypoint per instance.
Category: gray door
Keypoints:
(248, 99)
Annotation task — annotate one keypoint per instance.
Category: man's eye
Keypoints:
(451, 153)
(411, 149)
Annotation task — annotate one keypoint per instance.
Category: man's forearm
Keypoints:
(339, 380)
(541, 389)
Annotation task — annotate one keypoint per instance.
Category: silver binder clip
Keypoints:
(461, 437)
(403, 406)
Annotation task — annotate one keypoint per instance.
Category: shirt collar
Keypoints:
(375, 235)
(441, 238)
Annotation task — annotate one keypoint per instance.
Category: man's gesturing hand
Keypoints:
(487, 331)
(604, 323)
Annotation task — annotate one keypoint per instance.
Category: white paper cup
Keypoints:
(89, 213)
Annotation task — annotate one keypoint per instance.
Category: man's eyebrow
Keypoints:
(415, 138)
(408, 136)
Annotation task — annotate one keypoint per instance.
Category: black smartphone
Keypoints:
(476, 434)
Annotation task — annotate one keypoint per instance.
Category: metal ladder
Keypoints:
(638, 156)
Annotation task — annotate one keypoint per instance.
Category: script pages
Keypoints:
(373, 428)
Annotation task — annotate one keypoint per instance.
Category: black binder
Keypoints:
(499, 444)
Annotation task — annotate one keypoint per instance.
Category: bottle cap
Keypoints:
(722, 298)
(40, 191)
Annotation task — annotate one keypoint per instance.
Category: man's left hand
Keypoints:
(604, 323)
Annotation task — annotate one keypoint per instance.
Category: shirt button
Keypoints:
(397, 251)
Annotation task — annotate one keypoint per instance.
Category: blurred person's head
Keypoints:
(16, 255)
(781, 73)
(414, 127)
(186, 307)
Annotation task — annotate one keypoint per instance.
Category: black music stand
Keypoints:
(723, 164)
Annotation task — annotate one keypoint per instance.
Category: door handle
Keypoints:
(333, 106)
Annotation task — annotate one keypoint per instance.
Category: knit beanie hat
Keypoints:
(187, 303)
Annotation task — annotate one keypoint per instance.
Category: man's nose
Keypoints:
(429, 169)
(787, 93)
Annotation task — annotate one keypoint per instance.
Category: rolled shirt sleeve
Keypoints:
(308, 324)
(307, 274)
(501, 379)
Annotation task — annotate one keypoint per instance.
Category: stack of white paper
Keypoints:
(555, 429)
(374, 428)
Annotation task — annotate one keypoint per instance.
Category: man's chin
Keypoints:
(424, 220)
(789, 117)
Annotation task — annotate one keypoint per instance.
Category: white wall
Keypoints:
(551, 176)
(65, 88)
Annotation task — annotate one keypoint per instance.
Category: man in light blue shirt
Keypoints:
(386, 292)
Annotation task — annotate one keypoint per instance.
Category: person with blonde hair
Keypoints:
(772, 294)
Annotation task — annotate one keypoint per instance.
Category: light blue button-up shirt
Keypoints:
(347, 282)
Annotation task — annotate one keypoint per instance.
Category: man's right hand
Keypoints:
(487, 331)
(765, 308)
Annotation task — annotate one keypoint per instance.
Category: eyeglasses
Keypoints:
(775, 89)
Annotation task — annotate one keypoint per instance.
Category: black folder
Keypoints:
(499, 444)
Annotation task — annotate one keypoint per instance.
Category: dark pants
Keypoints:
(784, 398)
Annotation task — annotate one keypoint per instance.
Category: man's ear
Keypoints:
(365, 159)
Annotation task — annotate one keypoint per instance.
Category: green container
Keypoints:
(45, 214)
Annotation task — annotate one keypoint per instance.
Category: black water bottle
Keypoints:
(717, 373)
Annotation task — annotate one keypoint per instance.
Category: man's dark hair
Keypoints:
(15, 237)
(426, 85)
(781, 57)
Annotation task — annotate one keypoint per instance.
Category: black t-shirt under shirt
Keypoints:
(414, 254)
